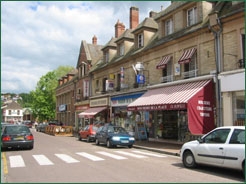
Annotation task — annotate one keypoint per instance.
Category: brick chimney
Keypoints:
(119, 29)
(134, 17)
(94, 40)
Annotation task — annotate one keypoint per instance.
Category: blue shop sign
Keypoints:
(62, 107)
(140, 79)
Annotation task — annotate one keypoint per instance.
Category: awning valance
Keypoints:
(186, 56)
(195, 97)
(162, 64)
(91, 112)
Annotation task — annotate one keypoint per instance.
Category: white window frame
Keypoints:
(140, 40)
(168, 27)
(191, 16)
(106, 56)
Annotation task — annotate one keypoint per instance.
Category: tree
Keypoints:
(44, 99)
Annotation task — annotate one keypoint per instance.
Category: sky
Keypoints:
(39, 36)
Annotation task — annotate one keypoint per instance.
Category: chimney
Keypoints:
(134, 17)
(94, 40)
(119, 29)
(152, 14)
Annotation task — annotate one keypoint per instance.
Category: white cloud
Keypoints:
(39, 36)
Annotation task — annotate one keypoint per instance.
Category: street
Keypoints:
(65, 160)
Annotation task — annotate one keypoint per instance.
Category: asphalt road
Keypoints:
(66, 160)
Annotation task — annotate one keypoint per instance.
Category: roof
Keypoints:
(13, 105)
(147, 23)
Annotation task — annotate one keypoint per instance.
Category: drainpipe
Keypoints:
(217, 29)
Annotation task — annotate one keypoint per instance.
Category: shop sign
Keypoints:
(109, 85)
(81, 108)
(62, 107)
(159, 107)
(140, 79)
(99, 102)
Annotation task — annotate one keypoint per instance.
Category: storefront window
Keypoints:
(239, 108)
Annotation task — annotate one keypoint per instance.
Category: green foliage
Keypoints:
(43, 98)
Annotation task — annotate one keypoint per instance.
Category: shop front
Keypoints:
(79, 123)
(178, 110)
(98, 113)
(120, 116)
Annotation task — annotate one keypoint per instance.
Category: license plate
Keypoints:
(19, 138)
(125, 141)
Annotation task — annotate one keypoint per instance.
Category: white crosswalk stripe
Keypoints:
(42, 160)
(66, 158)
(148, 153)
(111, 155)
(90, 156)
(16, 161)
(130, 154)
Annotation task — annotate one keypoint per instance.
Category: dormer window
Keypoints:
(106, 56)
(122, 49)
(140, 40)
(168, 27)
(191, 16)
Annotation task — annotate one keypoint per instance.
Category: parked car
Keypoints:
(222, 147)
(16, 136)
(88, 133)
(113, 136)
(41, 127)
(28, 123)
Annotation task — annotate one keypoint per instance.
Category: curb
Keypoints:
(157, 150)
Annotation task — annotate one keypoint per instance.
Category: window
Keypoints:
(106, 57)
(218, 136)
(190, 69)
(9, 112)
(238, 137)
(238, 106)
(18, 112)
(118, 82)
(104, 84)
(167, 73)
(122, 49)
(140, 40)
(97, 84)
(169, 27)
(191, 16)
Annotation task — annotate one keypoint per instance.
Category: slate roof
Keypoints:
(14, 106)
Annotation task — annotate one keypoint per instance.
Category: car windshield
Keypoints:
(116, 129)
(16, 129)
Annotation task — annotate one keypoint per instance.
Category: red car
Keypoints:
(88, 133)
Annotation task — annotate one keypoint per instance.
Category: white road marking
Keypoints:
(112, 155)
(16, 161)
(66, 158)
(131, 154)
(89, 156)
(148, 153)
(42, 160)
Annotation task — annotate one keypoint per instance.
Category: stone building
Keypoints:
(172, 73)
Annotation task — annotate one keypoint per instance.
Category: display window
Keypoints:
(238, 106)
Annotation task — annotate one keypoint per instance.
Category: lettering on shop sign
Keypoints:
(159, 107)
(99, 102)
(204, 108)
(122, 101)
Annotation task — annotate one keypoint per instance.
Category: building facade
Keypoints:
(170, 73)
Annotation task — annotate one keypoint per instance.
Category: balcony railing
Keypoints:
(189, 74)
(168, 78)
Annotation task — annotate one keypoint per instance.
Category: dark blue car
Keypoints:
(114, 135)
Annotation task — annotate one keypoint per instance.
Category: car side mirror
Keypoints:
(200, 140)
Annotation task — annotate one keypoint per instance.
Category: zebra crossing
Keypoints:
(17, 161)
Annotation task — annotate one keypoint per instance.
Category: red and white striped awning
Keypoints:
(162, 64)
(91, 112)
(167, 98)
(186, 56)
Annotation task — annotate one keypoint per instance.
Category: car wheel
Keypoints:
(88, 139)
(130, 146)
(189, 160)
(97, 142)
(109, 145)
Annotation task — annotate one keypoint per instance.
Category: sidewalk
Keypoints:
(160, 146)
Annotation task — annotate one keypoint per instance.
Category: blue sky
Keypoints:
(39, 36)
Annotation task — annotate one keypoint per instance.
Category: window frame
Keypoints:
(191, 16)
(140, 37)
(168, 24)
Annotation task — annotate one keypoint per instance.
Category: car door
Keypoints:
(235, 149)
(84, 132)
(212, 149)
(104, 134)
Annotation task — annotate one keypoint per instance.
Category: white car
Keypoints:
(222, 147)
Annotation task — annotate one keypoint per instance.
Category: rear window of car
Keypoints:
(94, 128)
(238, 137)
(16, 129)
